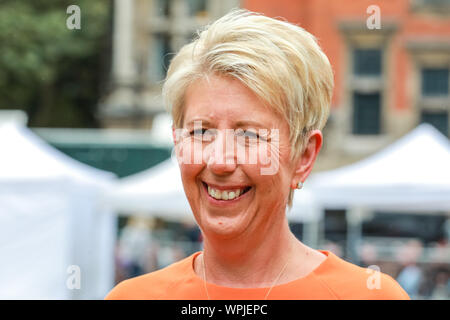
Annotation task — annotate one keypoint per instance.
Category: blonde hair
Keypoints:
(280, 62)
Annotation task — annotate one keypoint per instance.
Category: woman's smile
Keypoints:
(225, 195)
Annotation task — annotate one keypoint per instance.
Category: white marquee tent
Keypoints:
(156, 191)
(411, 174)
(50, 220)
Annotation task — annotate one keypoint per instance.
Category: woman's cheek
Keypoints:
(268, 158)
(189, 151)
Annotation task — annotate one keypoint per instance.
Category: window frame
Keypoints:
(430, 103)
(429, 55)
(356, 35)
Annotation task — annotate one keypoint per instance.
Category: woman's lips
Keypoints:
(224, 195)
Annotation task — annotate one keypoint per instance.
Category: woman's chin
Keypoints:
(223, 227)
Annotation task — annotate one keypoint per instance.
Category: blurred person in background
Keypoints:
(134, 242)
(266, 84)
(441, 289)
(168, 254)
(369, 255)
(411, 276)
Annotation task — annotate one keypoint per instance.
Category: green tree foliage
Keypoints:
(55, 74)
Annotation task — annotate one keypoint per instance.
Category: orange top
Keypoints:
(333, 279)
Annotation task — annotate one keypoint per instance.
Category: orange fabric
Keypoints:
(333, 279)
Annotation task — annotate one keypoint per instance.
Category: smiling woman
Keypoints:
(249, 98)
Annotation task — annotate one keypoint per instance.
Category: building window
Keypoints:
(171, 25)
(366, 91)
(431, 6)
(438, 119)
(160, 55)
(367, 62)
(163, 8)
(435, 100)
(366, 113)
(435, 82)
(435, 2)
(197, 8)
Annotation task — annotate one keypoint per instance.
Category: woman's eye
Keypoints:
(251, 135)
(198, 132)
(242, 133)
(203, 134)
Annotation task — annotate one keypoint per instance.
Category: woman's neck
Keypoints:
(252, 262)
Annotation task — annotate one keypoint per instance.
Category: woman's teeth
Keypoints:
(224, 194)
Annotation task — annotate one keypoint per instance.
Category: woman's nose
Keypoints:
(221, 156)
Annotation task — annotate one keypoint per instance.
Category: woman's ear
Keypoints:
(306, 160)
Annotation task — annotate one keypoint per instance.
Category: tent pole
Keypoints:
(354, 233)
(311, 235)
(312, 228)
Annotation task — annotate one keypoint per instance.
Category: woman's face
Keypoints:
(231, 192)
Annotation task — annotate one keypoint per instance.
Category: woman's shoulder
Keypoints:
(153, 285)
(347, 281)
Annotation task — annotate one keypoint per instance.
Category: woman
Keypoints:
(248, 100)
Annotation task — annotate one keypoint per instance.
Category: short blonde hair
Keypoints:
(279, 61)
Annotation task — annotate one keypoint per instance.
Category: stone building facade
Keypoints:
(388, 79)
(146, 34)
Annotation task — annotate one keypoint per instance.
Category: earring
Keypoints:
(300, 185)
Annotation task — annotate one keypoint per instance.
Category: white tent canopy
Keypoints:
(413, 173)
(305, 208)
(156, 191)
(51, 219)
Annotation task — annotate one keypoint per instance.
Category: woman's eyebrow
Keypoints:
(247, 123)
(237, 124)
(202, 122)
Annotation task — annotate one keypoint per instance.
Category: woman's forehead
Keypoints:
(222, 100)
